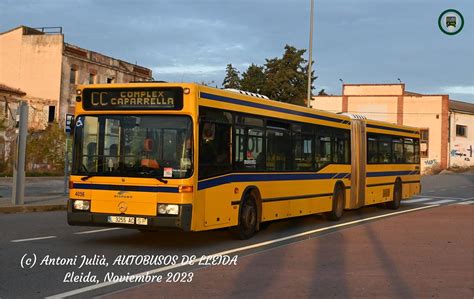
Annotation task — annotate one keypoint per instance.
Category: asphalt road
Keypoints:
(45, 237)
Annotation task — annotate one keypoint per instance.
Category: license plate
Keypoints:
(141, 221)
(121, 219)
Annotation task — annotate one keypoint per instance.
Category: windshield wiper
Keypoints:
(87, 177)
(161, 180)
(151, 171)
(86, 171)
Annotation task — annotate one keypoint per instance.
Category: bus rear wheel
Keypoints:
(247, 226)
(397, 197)
(337, 205)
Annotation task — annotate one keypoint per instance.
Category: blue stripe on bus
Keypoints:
(126, 188)
(390, 173)
(391, 129)
(239, 178)
(234, 178)
(341, 175)
(214, 97)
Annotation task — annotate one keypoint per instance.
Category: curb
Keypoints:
(32, 208)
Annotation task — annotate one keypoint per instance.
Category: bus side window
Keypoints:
(214, 143)
(272, 159)
(341, 148)
(278, 144)
(372, 150)
(397, 149)
(323, 152)
(303, 151)
(417, 151)
(409, 150)
(385, 149)
(248, 147)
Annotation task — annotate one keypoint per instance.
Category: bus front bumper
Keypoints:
(84, 218)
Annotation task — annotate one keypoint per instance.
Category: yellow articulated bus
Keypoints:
(173, 155)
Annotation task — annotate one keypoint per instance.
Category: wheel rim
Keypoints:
(248, 217)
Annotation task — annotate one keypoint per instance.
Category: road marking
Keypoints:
(418, 199)
(468, 202)
(33, 239)
(441, 201)
(442, 190)
(97, 231)
(227, 252)
(447, 197)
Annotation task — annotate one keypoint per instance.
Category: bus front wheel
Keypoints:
(247, 226)
(337, 205)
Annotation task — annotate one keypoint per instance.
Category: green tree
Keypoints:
(253, 79)
(47, 147)
(232, 79)
(286, 77)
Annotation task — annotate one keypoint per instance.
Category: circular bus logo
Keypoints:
(122, 206)
(451, 22)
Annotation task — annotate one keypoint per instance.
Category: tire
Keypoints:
(337, 205)
(248, 221)
(397, 197)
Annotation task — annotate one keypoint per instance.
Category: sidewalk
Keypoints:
(424, 254)
(41, 194)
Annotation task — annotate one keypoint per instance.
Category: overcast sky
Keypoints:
(359, 41)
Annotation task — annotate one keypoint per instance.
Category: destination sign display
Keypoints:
(136, 98)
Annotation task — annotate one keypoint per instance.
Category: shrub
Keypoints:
(45, 150)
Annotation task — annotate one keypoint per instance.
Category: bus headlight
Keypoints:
(168, 209)
(82, 205)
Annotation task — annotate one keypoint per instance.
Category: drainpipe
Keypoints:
(449, 139)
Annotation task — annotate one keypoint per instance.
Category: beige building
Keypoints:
(47, 69)
(447, 126)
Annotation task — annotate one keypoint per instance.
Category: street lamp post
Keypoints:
(310, 60)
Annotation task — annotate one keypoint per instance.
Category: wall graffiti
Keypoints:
(462, 153)
(431, 162)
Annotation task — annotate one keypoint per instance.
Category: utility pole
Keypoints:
(310, 60)
(68, 130)
(66, 166)
(18, 190)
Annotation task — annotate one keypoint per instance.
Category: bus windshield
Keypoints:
(158, 146)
